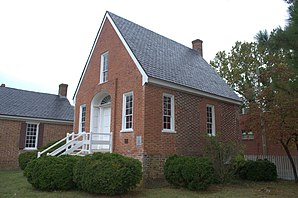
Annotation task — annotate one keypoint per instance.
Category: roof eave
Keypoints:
(24, 118)
(191, 90)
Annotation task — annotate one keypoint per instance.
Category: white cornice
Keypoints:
(21, 118)
(190, 90)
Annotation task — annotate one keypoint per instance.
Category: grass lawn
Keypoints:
(14, 184)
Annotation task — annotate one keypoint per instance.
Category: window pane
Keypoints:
(167, 112)
(31, 135)
(209, 120)
(104, 67)
(83, 118)
(128, 111)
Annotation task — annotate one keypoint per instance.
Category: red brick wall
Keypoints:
(123, 77)
(10, 137)
(9, 143)
(190, 122)
(254, 146)
(190, 127)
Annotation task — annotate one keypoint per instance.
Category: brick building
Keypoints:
(154, 96)
(29, 120)
(257, 144)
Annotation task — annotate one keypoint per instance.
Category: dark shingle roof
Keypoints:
(21, 103)
(167, 60)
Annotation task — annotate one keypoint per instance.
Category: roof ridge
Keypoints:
(29, 91)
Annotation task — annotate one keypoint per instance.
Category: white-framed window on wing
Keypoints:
(31, 138)
(104, 67)
(210, 120)
(82, 123)
(127, 112)
(168, 113)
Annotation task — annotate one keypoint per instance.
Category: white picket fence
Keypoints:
(283, 166)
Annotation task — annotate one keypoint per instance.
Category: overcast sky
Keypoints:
(47, 42)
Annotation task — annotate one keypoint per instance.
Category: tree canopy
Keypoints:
(265, 74)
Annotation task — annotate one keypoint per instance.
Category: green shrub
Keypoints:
(51, 173)
(237, 164)
(107, 173)
(193, 173)
(221, 154)
(260, 170)
(25, 158)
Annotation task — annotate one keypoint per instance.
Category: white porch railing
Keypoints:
(101, 142)
(81, 144)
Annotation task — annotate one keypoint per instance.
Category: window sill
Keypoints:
(126, 131)
(100, 83)
(168, 131)
(247, 139)
(211, 135)
(30, 149)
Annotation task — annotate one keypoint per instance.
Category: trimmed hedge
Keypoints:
(260, 170)
(51, 173)
(193, 173)
(107, 173)
(26, 157)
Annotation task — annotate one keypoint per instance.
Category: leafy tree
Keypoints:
(265, 74)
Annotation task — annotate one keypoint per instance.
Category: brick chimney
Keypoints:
(63, 90)
(198, 46)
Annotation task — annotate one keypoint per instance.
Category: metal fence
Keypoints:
(283, 166)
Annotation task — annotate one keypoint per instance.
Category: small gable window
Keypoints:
(210, 120)
(127, 112)
(82, 118)
(168, 113)
(104, 67)
(31, 138)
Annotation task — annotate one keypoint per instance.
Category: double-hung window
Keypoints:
(104, 67)
(127, 112)
(168, 113)
(82, 122)
(31, 138)
(210, 120)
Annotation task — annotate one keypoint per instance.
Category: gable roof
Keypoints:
(29, 104)
(166, 62)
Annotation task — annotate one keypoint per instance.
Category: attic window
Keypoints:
(106, 100)
(104, 66)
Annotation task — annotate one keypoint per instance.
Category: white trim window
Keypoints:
(168, 117)
(210, 120)
(127, 112)
(104, 67)
(31, 138)
(82, 122)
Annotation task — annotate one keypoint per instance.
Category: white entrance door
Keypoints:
(101, 139)
(105, 120)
